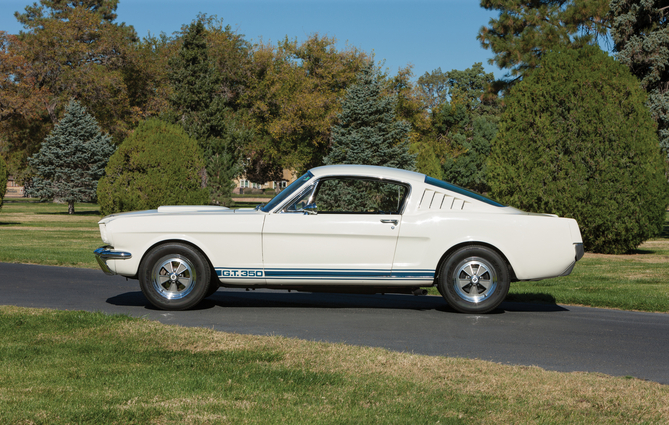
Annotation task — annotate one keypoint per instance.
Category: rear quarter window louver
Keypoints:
(434, 200)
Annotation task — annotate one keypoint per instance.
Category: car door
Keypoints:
(339, 230)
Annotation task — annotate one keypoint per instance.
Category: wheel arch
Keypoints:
(179, 241)
(454, 248)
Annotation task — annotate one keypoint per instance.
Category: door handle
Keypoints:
(389, 221)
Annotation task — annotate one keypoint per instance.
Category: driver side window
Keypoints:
(346, 195)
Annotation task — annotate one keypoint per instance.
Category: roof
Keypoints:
(368, 171)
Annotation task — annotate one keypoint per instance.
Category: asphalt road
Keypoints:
(554, 337)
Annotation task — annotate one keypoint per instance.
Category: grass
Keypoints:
(637, 281)
(43, 233)
(61, 367)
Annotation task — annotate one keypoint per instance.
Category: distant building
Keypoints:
(14, 190)
(244, 186)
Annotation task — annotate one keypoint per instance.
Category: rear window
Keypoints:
(457, 189)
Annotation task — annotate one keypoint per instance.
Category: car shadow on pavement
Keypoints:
(281, 299)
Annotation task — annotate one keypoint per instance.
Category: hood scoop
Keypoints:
(190, 208)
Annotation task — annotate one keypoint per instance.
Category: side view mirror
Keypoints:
(310, 209)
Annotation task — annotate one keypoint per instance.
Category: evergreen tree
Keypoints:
(71, 160)
(526, 29)
(641, 38)
(466, 126)
(202, 110)
(368, 132)
(577, 140)
(3, 180)
(157, 165)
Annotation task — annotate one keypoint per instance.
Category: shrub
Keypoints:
(576, 140)
(157, 165)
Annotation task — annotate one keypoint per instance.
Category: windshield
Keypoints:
(457, 189)
(284, 194)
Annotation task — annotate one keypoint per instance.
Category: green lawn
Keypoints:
(63, 367)
(43, 233)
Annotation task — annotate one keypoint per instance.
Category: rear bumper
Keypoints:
(105, 253)
(578, 248)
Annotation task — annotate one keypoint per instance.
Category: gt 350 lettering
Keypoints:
(240, 273)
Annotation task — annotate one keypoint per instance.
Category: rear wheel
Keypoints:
(174, 276)
(214, 284)
(474, 279)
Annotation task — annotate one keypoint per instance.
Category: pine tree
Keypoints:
(641, 39)
(202, 111)
(71, 160)
(368, 132)
(527, 29)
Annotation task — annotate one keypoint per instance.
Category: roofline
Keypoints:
(368, 171)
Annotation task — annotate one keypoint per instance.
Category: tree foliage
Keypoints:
(526, 29)
(159, 164)
(203, 100)
(3, 180)
(641, 36)
(576, 140)
(293, 100)
(453, 140)
(367, 131)
(71, 160)
(67, 50)
(23, 125)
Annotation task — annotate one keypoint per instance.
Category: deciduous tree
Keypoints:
(3, 179)
(294, 99)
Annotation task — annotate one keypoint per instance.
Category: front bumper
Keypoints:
(105, 253)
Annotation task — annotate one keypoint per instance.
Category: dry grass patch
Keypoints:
(522, 391)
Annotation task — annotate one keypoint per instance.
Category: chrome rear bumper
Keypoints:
(104, 253)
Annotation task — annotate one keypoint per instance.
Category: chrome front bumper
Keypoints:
(104, 253)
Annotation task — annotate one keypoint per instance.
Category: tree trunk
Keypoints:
(70, 207)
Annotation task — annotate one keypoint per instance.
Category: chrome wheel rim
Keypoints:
(474, 280)
(173, 277)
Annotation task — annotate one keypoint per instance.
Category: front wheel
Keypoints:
(474, 279)
(174, 277)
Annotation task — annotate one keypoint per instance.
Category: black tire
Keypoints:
(214, 284)
(474, 279)
(174, 276)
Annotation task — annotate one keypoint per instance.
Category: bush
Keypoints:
(157, 165)
(3, 180)
(576, 140)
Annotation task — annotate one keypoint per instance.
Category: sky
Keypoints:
(428, 34)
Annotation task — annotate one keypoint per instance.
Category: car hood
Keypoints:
(180, 210)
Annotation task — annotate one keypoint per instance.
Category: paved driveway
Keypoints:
(553, 337)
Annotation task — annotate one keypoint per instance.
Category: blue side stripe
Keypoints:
(339, 274)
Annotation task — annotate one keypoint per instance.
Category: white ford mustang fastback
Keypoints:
(343, 228)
